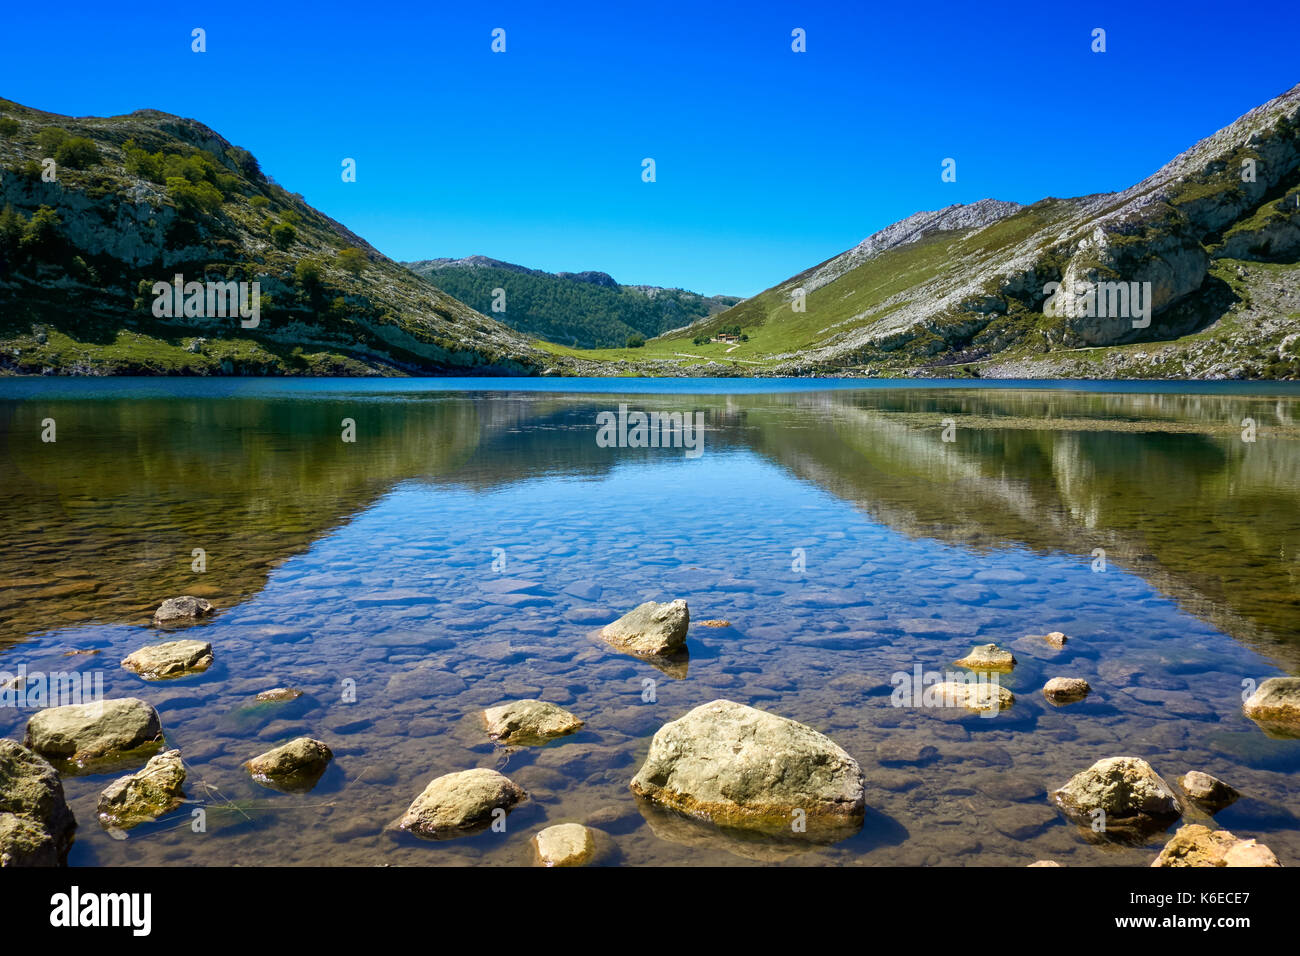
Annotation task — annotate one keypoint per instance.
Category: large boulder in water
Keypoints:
(741, 767)
(654, 630)
(1118, 797)
(36, 826)
(85, 733)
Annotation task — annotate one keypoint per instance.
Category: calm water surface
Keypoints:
(464, 550)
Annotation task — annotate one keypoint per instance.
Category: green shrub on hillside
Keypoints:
(307, 275)
(569, 311)
(352, 261)
(49, 139)
(142, 163)
(192, 198)
(8, 126)
(41, 233)
(77, 152)
(12, 225)
(283, 234)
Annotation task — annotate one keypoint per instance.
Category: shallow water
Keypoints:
(465, 548)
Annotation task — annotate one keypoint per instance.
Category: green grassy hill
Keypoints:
(962, 291)
(133, 200)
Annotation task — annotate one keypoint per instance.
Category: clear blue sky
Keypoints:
(768, 161)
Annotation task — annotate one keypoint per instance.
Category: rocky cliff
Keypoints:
(1192, 272)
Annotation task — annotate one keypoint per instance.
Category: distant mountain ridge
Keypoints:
(581, 309)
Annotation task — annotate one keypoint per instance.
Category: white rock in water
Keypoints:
(1066, 690)
(980, 696)
(170, 659)
(653, 629)
(743, 767)
(1209, 793)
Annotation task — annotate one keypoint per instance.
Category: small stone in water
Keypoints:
(988, 657)
(279, 694)
(1066, 690)
(568, 844)
(1209, 793)
(184, 608)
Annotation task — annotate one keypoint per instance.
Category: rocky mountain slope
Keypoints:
(95, 211)
(1202, 259)
(966, 291)
(582, 309)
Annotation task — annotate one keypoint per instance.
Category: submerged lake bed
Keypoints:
(408, 553)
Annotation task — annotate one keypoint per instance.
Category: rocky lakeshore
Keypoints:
(723, 775)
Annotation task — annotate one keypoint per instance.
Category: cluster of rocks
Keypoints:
(1198, 845)
(470, 801)
(36, 825)
(1123, 799)
(723, 765)
(991, 697)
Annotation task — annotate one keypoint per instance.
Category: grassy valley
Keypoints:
(583, 309)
